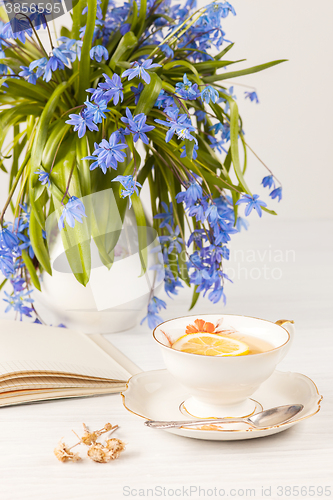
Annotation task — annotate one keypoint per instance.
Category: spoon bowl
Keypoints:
(267, 418)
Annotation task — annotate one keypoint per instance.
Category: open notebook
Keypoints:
(41, 362)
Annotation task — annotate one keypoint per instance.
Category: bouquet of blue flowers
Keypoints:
(134, 93)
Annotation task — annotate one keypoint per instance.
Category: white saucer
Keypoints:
(155, 395)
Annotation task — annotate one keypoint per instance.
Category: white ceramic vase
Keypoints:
(114, 299)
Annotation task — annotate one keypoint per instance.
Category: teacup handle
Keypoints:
(288, 325)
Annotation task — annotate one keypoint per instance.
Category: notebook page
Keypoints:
(49, 382)
(32, 347)
(42, 396)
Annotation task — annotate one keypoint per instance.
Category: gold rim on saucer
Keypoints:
(123, 395)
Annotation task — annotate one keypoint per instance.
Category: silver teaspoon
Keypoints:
(267, 418)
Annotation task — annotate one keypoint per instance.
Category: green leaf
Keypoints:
(39, 145)
(32, 271)
(85, 63)
(149, 95)
(39, 190)
(272, 212)
(128, 41)
(186, 64)
(83, 165)
(145, 170)
(76, 240)
(141, 19)
(3, 283)
(213, 65)
(195, 297)
(22, 88)
(234, 132)
(45, 119)
(38, 243)
(243, 72)
(223, 52)
(134, 16)
(54, 141)
(142, 231)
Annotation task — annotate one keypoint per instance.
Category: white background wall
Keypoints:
(291, 128)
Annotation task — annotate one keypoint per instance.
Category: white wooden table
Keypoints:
(301, 456)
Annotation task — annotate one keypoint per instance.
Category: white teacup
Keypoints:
(221, 386)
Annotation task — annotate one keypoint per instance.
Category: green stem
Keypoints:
(11, 192)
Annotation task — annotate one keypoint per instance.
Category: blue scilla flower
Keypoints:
(161, 265)
(72, 46)
(173, 239)
(217, 144)
(137, 92)
(252, 202)
(8, 239)
(201, 116)
(38, 18)
(171, 284)
(268, 181)
(276, 193)
(98, 52)
(198, 210)
(137, 126)
(242, 223)
(164, 99)
(167, 50)
(58, 60)
(17, 303)
(252, 96)
(131, 186)
(6, 262)
(28, 75)
(181, 125)
(212, 213)
(209, 94)
(222, 231)
(81, 121)
(217, 294)
(43, 177)
(99, 13)
(112, 88)
(216, 11)
(198, 237)
(18, 284)
(72, 211)
(217, 127)
(40, 64)
(167, 216)
(140, 70)
(17, 28)
(154, 307)
(108, 153)
(125, 28)
(186, 89)
(26, 245)
(96, 109)
(192, 193)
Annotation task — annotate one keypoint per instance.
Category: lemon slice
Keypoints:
(210, 344)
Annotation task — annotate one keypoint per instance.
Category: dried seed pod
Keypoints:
(64, 454)
(99, 453)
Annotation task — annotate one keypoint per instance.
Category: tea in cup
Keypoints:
(222, 360)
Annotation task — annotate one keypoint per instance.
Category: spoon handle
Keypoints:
(160, 424)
